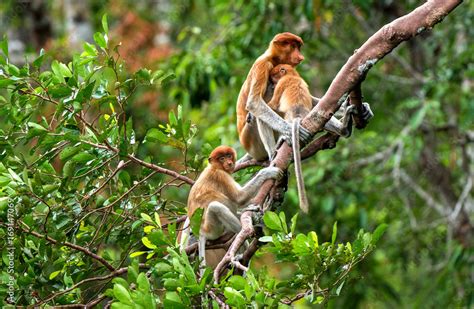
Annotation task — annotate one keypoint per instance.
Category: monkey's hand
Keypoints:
(271, 172)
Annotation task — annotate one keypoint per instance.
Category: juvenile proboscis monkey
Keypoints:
(292, 101)
(256, 121)
(221, 196)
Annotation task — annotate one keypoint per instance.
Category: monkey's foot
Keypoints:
(305, 136)
(235, 261)
(249, 118)
(366, 112)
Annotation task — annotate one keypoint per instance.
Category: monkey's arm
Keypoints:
(250, 189)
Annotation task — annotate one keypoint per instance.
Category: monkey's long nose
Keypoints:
(300, 58)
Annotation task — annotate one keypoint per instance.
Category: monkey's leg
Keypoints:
(266, 135)
(185, 233)
(202, 253)
(263, 112)
(219, 214)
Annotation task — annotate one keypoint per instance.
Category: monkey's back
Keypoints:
(296, 99)
(262, 66)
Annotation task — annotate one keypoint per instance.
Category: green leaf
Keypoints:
(4, 45)
(6, 82)
(265, 239)
(272, 221)
(148, 243)
(416, 120)
(39, 61)
(82, 157)
(334, 233)
(155, 135)
(54, 274)
(99, 38)
(90, 49)
(283, 221)
(157, 219)
(196, 221)
(237, 282)
(339, 288)
(172, 118)
(69, 168)
(234, 298)
(122, 294)
(162, 267)
(165, 78)
(120, 306)
(85, 93)
(146, 217)
(144, 74)
(105, 24)
(137, 253)
(143, 283)
(60, 69)
(379, 231)
(293, 223)
(68, 152)
(59, 91)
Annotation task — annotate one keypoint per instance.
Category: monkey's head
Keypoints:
(282, 70)
(223, 157)
(285, 49)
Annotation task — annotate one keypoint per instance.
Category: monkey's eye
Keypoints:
(222, 159)
(282, 70)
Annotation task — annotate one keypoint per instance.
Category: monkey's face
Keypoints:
(295, 56)
(223, 157)
(227, 162)
(278, 72)
(288, 52)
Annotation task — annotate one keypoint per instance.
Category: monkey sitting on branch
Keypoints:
(221, 197)
(256, 121)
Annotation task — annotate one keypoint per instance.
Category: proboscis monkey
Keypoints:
(221, 196)
(256, 121)
(292, 101)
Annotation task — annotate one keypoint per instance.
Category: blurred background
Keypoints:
(412, 167)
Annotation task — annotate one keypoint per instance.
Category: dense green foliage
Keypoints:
(76, 147)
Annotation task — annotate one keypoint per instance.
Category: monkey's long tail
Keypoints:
(303, 199)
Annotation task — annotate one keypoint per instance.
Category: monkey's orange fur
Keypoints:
(283, 49)
(291, 98)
